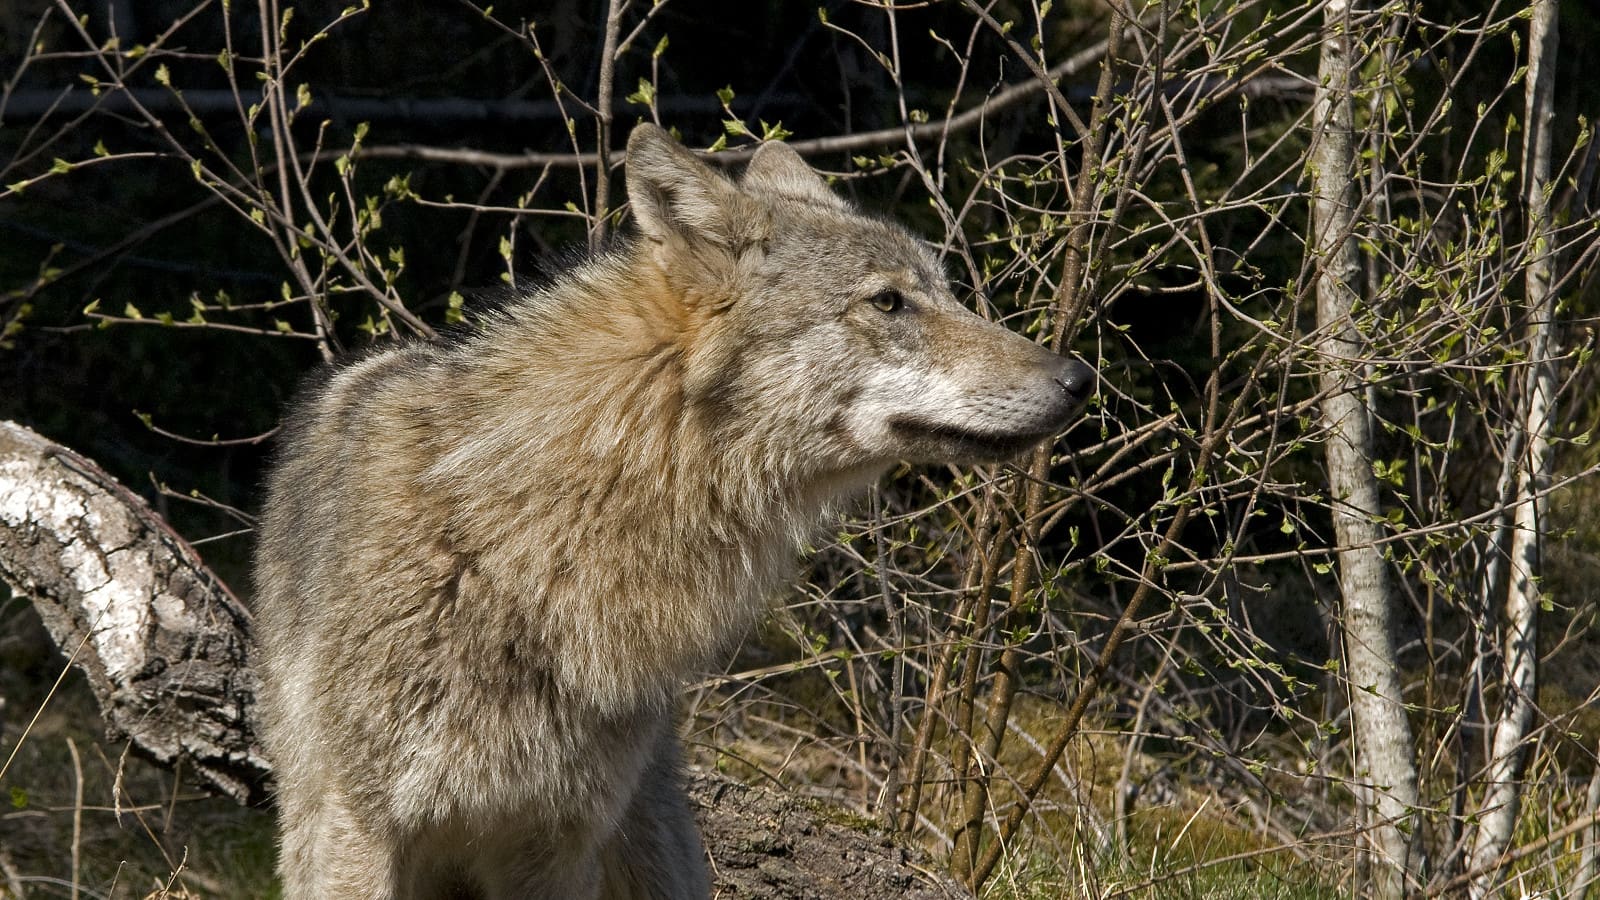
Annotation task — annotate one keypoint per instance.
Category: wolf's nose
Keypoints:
(1076, 379)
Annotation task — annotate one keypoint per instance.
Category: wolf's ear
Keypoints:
(675, 195)
(778, 169)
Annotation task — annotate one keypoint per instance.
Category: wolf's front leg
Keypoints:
(329, 854)
(655, 853)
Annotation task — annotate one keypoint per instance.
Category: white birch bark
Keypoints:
(163, 644)
(1520, 651)
(1384, 750)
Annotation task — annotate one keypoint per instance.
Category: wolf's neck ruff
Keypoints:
(592, 472)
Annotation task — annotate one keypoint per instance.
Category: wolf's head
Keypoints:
(828, 336)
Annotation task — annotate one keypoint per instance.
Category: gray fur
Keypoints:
(486, 568)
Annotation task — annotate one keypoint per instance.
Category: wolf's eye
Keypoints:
(888, 301)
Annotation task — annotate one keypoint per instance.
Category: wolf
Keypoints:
(487, 565)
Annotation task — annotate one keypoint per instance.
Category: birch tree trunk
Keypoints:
(1385, 761)
(1520, 651)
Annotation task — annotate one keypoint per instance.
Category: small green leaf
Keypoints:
(645, 95)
